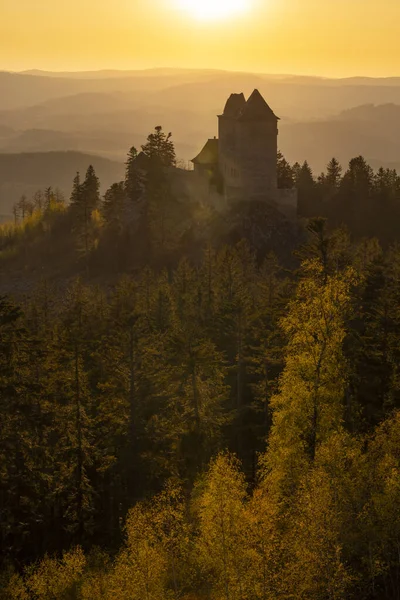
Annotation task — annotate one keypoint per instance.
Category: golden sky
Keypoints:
(322, 37)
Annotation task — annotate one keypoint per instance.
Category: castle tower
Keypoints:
(248, 147)
(228, 145)
(242, 163)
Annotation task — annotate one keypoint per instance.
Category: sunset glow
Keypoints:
(273, 36)
(209, 10)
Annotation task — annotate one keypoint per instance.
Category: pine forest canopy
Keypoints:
(199, 404)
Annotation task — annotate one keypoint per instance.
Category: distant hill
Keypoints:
(296, 97)
(118, 73)
(373, 131)
(21, 90)
(112, 145)
(102, 124)
(27, 172)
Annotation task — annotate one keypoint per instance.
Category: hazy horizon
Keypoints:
(269, 36)
(166, 68)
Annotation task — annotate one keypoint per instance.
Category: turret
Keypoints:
(257, 139)
(227, 133)
(248, 147)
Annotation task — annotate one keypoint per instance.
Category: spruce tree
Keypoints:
(76, 194)
(309, 406)
(85, 200)
(160, 149)
(162, 213)
(222, 543)
(285, 173)
(333, 174)
(307, 190)
(91, 190)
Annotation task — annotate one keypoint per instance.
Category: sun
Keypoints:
(213, 10)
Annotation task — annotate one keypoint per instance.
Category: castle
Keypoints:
(242, 163)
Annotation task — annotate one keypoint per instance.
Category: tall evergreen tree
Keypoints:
(310, 404)
(285, 173)
(161, 211)
(222, 541)
(160, 149)
(307, 190)
(85, 200)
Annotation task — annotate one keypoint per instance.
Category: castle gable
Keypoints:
(235, 104)
(209, 154)
(256, 109)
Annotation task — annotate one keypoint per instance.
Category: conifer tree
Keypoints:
(372, 343)
(134, 181)
(77, 454)
(381, 522)
(309, 406)
(235, 318)
(322, 534)
(90, 190)
(85, 200)
(221, 544)
(76, 194)
(114, 209)
(161, 221)
(333, 174)
(141, 567)
(160, 149)
(174, 532)
(285, 173)
(307, 191)
(23, 451)
(355, 198)
(23, 207)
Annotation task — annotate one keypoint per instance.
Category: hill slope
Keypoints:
(27, 172)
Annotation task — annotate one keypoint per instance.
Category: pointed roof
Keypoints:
(209, 154)
(257, 109)
(234, 105)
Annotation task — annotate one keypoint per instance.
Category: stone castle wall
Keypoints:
(247, 156)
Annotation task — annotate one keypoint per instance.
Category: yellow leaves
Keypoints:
(222, 526)
(381, 514)
(52, 578)
(140, 568)
(96, 217)
(15, 588)
(156, 549)
(264, 542)
(325, 503)
(309, 405)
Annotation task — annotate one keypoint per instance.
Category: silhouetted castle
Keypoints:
(242, 163)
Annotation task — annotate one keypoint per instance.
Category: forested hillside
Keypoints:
(196, 405)
(25, 174)
(108, 397)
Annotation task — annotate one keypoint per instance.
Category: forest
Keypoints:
(190, 414)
